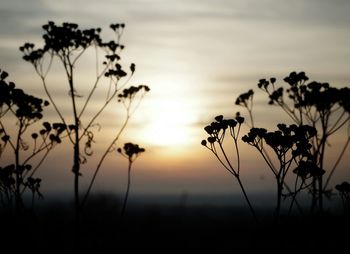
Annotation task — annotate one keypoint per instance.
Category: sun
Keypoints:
(169, 123)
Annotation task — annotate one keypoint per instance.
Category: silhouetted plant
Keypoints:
(344, 192)
(290, 145)
(315, 104)
(25, 110)
(130, 151)
(67, 43)
(217, 131)
(246, 100)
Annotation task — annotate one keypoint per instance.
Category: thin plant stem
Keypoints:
(336, 163)
(127, 190)
(247, 199)
(294, 195)
(18, 196)
(102, 160)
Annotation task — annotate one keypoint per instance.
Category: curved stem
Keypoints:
(295, 194)
(226, 158)
(18, 196)
(268, 161)
(336, 163)
(46, 147)
(129, 113)
(335, 129)
(279, 197)
(247, 199)
(127, 190)
(238, 156)
(48, 94)
(101, 161)
(222, 163)
(91, 92)
(33, 171)
(251, 117)
(9, 141)
(96, 115)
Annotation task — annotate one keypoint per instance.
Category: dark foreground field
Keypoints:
(171, 229)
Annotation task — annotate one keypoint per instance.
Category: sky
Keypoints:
(197, 57)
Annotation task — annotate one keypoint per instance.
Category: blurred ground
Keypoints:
(171, 229)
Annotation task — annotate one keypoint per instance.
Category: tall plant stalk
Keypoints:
(316, 104)
(68, 43)
(131, 152)
(215, 143)
(21, 147)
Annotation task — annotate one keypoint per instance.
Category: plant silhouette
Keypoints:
(344, 192)
(29, 151)
(318, 112)
(290, 145)
(67, 43)
(313, 104)
(130, 151)
(217, 132)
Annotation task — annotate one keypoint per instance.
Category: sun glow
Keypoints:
(169, 123)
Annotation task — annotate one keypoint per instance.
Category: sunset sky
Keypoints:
(197, 56)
